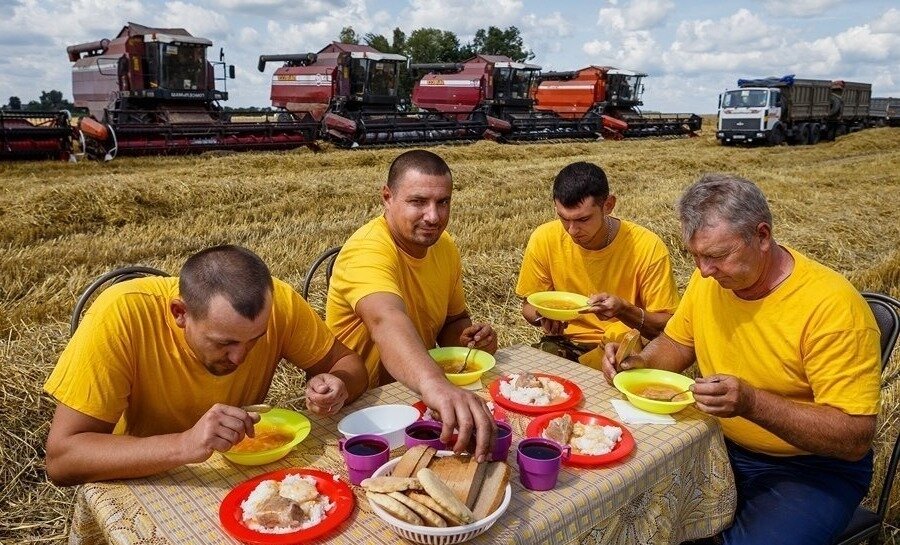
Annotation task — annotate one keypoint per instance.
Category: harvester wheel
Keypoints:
(815, 133)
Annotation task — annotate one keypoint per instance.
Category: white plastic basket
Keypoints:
(437, 536)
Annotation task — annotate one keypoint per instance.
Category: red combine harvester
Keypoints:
(35, 135)
(152, 91)
(497, 92)
(351, 90)
(607, 91)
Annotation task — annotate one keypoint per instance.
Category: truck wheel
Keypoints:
(841, 130)
(815, 133)
(801, 135)
(776, 136)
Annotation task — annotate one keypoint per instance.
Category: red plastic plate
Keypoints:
(231, 514)
(569, 387)
(622, 449)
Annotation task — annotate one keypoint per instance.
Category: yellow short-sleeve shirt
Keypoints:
(128, 362)
(813, 340)
(635, 266)
(370, 262)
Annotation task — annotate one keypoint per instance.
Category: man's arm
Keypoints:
(818, 429)
(550, 327)
(337, 379)
(81, 448)
(608, 307)
(661, 353)
(405, 357)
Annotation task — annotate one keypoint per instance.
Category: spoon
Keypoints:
(257, 408)
(466, 360)
(672, 398)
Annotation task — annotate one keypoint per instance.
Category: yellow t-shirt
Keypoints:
(370, 262)
(812, 340)
(635, 266)
(128, 362)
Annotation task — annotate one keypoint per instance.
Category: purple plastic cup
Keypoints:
(363, 454)
(539, 462)
(503, 442)
(424, 432)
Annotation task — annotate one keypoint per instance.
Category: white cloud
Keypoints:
(597, 48)
(888, 23)
(197, 20)
(461, 16)
(737, 32)
(636, 15)
(800, 8)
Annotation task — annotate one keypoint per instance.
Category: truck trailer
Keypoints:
(797, 111)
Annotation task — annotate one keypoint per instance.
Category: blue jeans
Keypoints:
(802, 500)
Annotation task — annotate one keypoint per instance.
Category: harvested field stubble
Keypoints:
(61, 225)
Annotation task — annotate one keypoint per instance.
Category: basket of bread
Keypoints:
(437, 497)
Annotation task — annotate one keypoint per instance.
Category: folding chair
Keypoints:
(329, 256)
(110, 278)
(866, 524)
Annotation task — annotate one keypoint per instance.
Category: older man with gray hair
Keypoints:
(788, 353)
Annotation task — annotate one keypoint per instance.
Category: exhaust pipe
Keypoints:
(438, 66)
(302, 59)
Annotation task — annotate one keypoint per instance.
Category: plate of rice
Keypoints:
(535, 393)
(595, 440)
(286, 506)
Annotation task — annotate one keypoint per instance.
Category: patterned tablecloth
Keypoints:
(676, 485)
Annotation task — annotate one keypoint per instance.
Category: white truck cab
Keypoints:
(750, 114)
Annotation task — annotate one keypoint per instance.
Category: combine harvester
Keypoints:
(36, 135)
(352, 92)
(614, 95)
(498, 93)
(152, 91)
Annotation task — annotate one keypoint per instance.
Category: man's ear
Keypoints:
(609, 204)
(764, 233)
(179, 312)
(385, 194)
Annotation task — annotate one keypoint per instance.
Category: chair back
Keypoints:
(108, 279)
(884, 307)
(328, 256)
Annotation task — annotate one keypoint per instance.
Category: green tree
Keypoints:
(378, 41)
(348, 36)
(433, 45)
(15, 104)
(50, 101)
(495, 41)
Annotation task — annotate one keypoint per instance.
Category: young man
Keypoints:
(156, 373)
(623, 267)
(396, 291)
(789, 356)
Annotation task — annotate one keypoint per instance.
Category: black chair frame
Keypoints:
(866, 524)
(112, 277)
(329, 255)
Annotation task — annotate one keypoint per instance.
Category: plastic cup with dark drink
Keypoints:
(424, 432)
(363, 454)
(539, 462)
(503, 442)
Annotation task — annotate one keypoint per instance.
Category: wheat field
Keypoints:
(63, 224)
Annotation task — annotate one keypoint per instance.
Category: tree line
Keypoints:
(423, 45)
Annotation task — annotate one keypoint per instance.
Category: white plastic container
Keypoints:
(387, 421)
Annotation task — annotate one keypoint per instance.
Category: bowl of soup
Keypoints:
(451, 359)
(277, 433)
(557, 305)
(649, 389)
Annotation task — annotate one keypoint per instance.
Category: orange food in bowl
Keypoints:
(659, 391)
(561, 305)
(264, 439)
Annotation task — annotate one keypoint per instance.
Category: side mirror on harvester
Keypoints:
(231, 71)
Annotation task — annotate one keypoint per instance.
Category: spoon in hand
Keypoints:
(257, 408)
(465, 360)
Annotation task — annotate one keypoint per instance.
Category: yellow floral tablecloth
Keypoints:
(676, 485)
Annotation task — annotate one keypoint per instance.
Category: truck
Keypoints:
(787, 109)
(885, 111)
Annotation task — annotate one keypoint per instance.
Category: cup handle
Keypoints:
(341, 442)
(566, 452)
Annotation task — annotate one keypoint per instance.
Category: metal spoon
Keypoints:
(466, 360)
(257, 408)
(672, 398)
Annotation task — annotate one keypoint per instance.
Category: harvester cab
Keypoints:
(153, 90)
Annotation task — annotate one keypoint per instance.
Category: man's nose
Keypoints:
(431, 214)
(706, 267)
(237, 354)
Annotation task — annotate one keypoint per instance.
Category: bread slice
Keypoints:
(462, 475)
(406, 467)
(425, 460)
(492, 491)
(631, 344)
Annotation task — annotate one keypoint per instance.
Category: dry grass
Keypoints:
(61, 225)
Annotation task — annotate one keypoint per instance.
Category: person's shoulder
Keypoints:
(821, 281)
(136, 288)
(374, 234)
(640, 233)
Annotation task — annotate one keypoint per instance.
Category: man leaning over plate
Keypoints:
(788, 351)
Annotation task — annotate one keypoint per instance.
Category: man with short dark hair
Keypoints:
(788, 351)
(155, 375)
(624, 268)
(396, 291)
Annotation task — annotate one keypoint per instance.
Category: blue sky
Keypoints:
(691, 49)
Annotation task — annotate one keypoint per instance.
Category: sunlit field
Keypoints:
(63, 224)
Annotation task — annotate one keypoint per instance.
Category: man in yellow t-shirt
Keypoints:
(396, 291)
(788, 351)
(154, 376)
(624, 268)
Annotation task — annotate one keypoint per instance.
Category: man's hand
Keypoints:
(605, 306)
(219, 429)
(553, 327)
(723, 395)
(610, 367)
(325, 394)
(463, 410)
(480, 336)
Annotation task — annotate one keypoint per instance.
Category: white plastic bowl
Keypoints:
(437, 536)
(387, 421)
